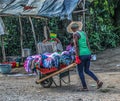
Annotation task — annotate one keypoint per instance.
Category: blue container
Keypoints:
(5, 68)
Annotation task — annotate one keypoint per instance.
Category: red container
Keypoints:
(13, 63)
(49, 70)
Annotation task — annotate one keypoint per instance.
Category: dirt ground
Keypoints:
(106, 67)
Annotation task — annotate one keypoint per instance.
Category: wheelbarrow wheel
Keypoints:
(47, 83)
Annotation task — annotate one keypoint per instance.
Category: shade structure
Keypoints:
(45, 8)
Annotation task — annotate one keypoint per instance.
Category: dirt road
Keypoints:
(107, 68)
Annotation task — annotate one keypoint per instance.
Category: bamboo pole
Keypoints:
(3, 49)
(24, 16)
(21, 36)
(57, 72)
(34, 36)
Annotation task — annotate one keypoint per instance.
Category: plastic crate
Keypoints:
(5, 68)
(12, 63)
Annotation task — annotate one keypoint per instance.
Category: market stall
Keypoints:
(37, 9)
(52, 63)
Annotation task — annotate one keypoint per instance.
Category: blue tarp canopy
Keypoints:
(45, 8)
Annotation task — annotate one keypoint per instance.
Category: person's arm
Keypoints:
(75, 39)
(77, 59)
(46, 40)
(57, 40)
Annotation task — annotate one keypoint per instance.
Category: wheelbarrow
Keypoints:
(45, 76)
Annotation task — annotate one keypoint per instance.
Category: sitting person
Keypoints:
(53, 38)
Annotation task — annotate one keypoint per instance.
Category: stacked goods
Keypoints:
(49, 60)
(49, 47)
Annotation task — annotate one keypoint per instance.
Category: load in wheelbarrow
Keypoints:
(45, 76)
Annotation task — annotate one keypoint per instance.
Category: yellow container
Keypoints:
(17, 64)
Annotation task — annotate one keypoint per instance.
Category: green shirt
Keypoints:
(82, 43)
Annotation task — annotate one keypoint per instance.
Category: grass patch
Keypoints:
(110, 86)
(104, 90)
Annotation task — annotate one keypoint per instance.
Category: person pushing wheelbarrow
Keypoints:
(83, 54)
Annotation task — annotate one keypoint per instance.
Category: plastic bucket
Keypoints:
(93, 57)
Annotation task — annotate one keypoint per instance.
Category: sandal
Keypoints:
(99, 85)
(84, 89)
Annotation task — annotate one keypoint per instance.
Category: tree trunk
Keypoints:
(21, 36)
(117, 14)
(3, 49)
(34, 36)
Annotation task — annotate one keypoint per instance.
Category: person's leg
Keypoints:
(90, 73)
(87, 70)
(80, 68)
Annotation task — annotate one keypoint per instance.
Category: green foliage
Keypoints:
(12, 40)
(53, 23)
(100, 25)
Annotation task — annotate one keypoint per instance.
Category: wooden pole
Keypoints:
(3, 49)
(21, 36)
(45, 32)
(80, 11)
(57, 72)
(34, 36)
(84, 15)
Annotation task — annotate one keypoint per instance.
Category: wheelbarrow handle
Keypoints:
(55, 73)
